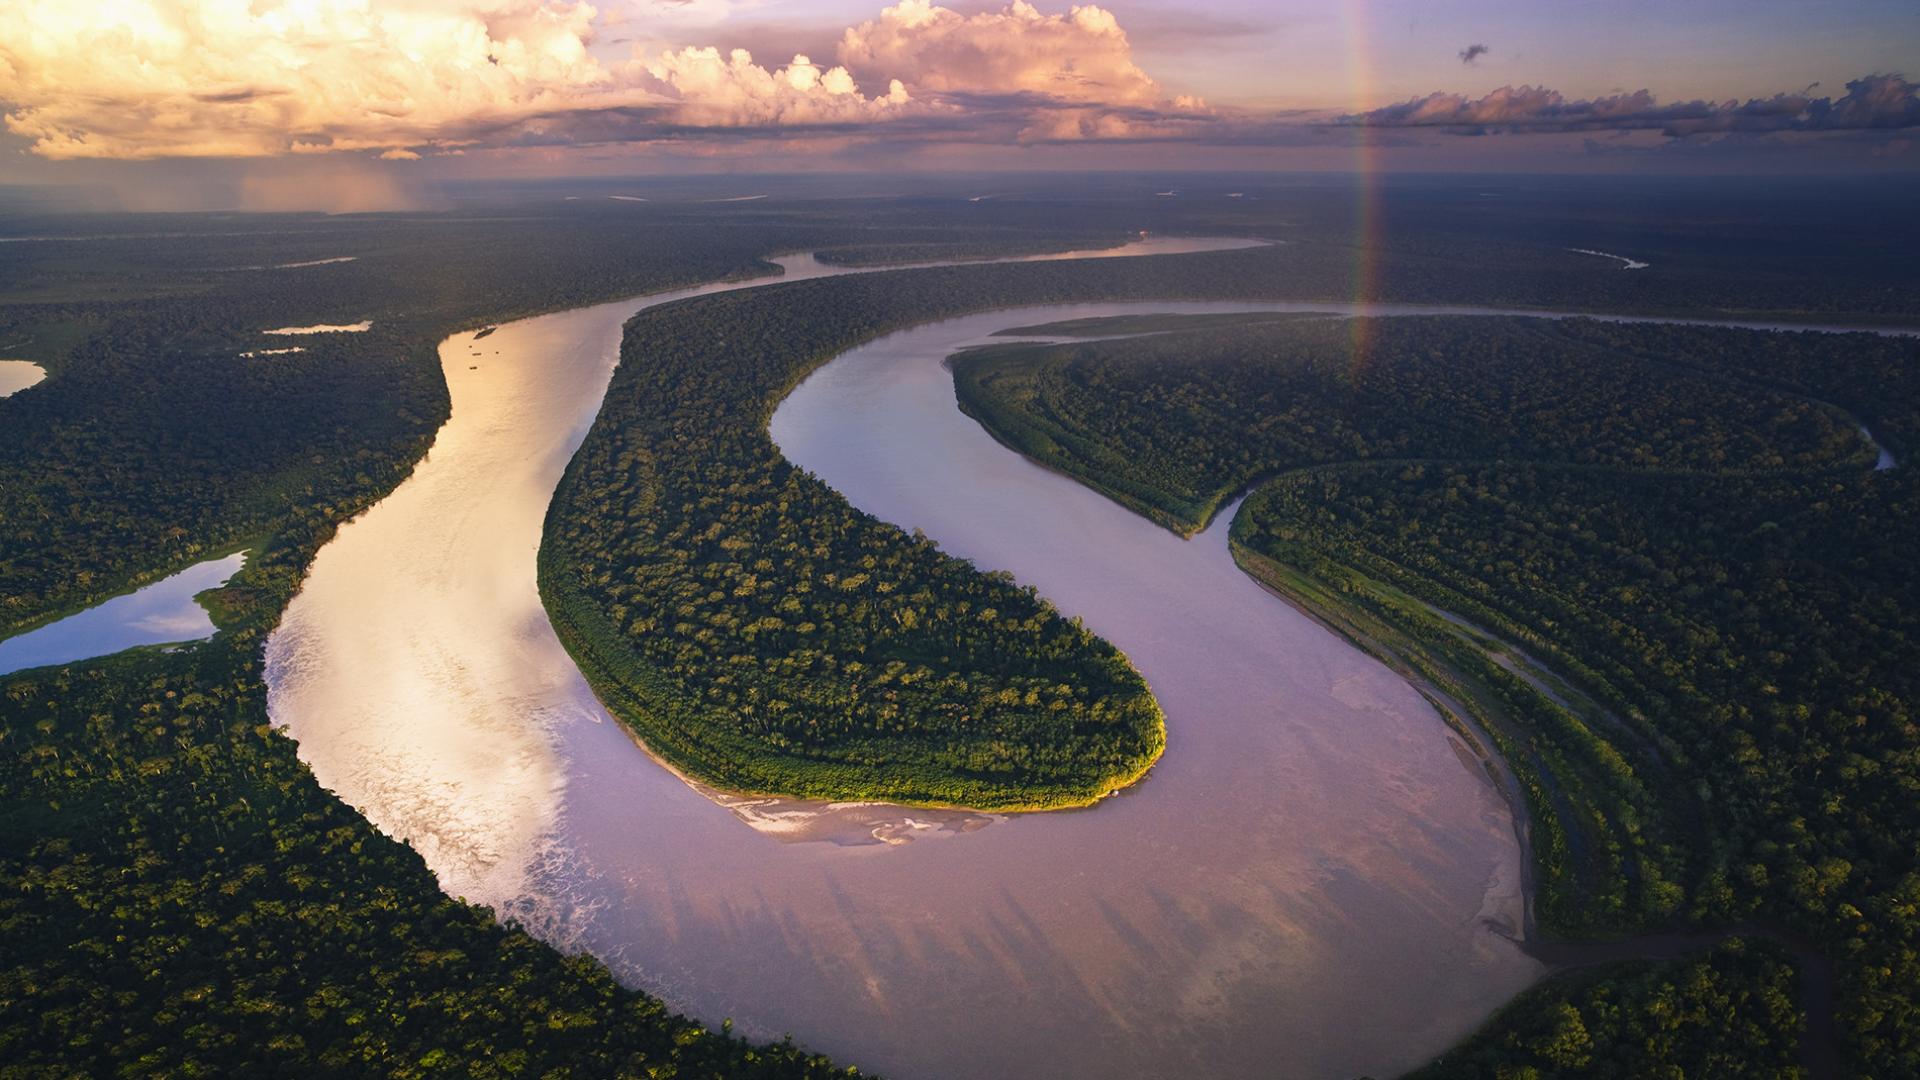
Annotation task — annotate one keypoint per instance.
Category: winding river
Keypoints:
(1312, 882)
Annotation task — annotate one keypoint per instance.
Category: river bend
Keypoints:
(1310, 883)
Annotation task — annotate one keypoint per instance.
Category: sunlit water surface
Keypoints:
(1310, 883)
(17, 375)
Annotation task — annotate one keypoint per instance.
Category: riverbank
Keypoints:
(1297, 768)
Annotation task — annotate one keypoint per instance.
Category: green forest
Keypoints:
(1729, 1011)
(1656, 563)
(180, 897)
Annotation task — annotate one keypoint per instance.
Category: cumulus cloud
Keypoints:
(732, 91)
(1082, 56)
(226, 78)
(1473, 52)
(1049, 77)
(1874, 102)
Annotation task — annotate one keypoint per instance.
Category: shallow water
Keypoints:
(1308, 884)
(162, 613)
(17, 375)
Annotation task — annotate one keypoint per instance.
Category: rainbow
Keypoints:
(1366, 179)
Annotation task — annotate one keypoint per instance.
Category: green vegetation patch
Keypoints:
(1730, 1011)
(46, 338)
(1766, 630)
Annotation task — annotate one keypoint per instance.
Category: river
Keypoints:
(1310, 883)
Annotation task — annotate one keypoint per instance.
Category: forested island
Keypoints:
(1656, 564)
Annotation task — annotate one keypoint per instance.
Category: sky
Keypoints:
(274, 94)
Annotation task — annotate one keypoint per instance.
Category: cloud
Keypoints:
(733, 91)
(1473, 52)
(402, 79)
(220, 78)
(407, 80)
(1873, 102)
(1046, 77)
(1082, 56)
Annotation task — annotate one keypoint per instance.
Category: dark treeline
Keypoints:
(1872, 376)
(1675, 518)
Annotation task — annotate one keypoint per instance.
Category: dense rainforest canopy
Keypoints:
(1727, 1012)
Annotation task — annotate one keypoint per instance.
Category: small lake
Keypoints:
(163, 613)
(17, 375)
